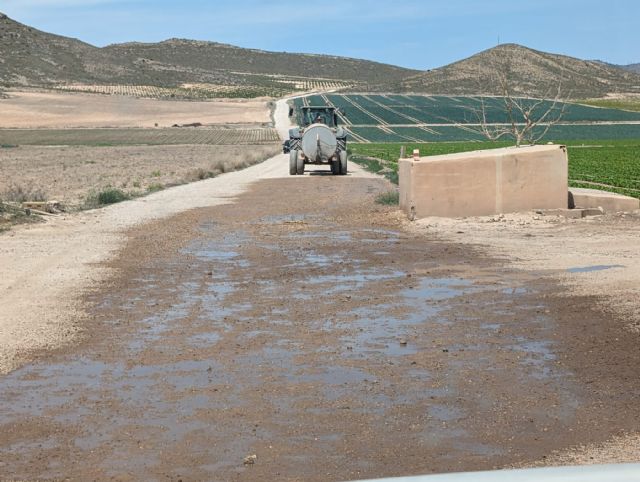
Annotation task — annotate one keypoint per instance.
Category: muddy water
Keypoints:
(309, 330)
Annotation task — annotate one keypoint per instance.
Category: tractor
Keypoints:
(319, 140)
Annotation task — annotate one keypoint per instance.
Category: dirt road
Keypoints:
(305, 326)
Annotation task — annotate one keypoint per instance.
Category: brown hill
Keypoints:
(187, 58)
(530, 72)
(29, 56)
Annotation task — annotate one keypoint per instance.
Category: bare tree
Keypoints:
(528, 118)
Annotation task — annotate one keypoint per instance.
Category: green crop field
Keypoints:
(612, 165)
(130, 137)
(420, 118)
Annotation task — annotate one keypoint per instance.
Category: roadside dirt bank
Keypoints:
(306, 326)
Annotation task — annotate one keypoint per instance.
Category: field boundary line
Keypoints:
(341, 116)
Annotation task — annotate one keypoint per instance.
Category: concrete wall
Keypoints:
(609, 201)
(485, 182)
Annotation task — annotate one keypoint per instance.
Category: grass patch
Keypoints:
(625, 104)
(154, 187)
(389, 198)
(388, 169)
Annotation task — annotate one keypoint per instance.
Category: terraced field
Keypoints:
(254, 86)
(419, 118)
(130, 137)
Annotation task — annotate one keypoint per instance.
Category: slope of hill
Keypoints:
(202, 58)
(530, 72)
(28, 56)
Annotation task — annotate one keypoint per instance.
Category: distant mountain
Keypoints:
(29, 57)
(632, 67)
(530, 72)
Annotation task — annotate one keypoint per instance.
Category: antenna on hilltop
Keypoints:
(498, 39)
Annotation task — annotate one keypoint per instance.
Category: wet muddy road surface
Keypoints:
(301, 324)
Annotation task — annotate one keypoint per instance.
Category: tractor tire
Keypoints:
(300, 165)
(293, 162)
(335, 167)
(343, 163)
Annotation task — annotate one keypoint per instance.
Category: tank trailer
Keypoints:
(318, 140)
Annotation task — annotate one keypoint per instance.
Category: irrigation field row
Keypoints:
(420, 118)
(128, 137)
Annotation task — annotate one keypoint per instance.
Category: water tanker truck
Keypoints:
(319, 140)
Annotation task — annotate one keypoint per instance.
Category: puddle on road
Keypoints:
(589, 269)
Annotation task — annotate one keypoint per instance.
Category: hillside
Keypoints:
(189, 58)
(196, 69)
(530, 72)
(29, 57)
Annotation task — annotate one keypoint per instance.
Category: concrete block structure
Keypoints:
(610, 202)
(485, 182)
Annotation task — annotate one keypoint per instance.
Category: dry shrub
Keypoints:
(20, 194)
(230, 162)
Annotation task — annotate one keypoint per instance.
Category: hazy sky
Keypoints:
(410, 33)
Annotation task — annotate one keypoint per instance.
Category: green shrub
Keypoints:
(155, 187)
(389, 198)
(111, 195)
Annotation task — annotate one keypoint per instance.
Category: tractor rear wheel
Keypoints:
(335, 167)
(300, 165)
(343, 163)
(293, 162)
